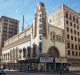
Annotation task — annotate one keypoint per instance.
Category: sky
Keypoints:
(17, 8)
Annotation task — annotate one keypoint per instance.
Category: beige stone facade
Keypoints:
(68, 19)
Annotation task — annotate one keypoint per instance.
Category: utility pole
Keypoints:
(23, 23)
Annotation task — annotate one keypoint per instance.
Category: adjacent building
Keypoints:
(69, 20)
(8, 28)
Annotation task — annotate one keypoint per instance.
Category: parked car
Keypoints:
(2, 71)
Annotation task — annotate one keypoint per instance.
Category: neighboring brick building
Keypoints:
(8, 28)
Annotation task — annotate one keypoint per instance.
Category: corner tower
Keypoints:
(39, 28)
(40, 21)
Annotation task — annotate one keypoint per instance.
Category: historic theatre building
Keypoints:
(39, 47)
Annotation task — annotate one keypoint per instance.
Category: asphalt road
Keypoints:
(36, 73)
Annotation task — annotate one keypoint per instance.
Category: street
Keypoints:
(37, 73)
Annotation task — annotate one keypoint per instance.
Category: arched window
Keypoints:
(53, 51)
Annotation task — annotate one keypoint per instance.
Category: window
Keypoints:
(74, 18)
(74, 26)
(66, 15)
(74, 31)
(67, 22)
(71, 30)
(29, 52)
(77, 20)
(67, 29)
(68, 52)
(76, 53)
(70, 23)
(71, 37)
(77, 27)
(75, 46)
(78, 33)
(72, 52)
(34, 51)
(72, 46)
(24, 52)
(67, 36)
(68, 45)
(75, 39)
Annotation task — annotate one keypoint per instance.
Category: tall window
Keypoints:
(77, 20)
(66, 15)
(71, 30)
(75, 46)
(67, 29)
(70, 23)
(68, 52)
(72, 52)
(76, 53)
(29, 52)
(75, 39)
(78, 33)
(68, 45)
(67, 36)
(71, 37)
(72, 46)
(24, 52)
(74, 31)
(67, 22)
(77, 27)
(74, 18)
(34, 51)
